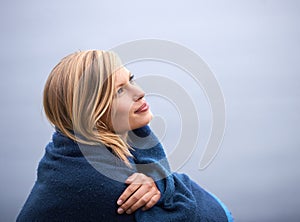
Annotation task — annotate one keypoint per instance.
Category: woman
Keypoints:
(104, 163)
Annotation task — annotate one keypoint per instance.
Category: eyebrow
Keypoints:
(130, 74)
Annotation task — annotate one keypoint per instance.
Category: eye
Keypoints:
(120, 90)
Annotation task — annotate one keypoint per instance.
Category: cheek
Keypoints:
(121, 115)
(122, 110)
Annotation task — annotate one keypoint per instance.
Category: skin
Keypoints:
(129, 97)
(142, 191)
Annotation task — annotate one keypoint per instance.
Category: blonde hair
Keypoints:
(78, 97)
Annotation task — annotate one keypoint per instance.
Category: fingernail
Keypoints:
(120, 210)
(128, 211)
(119, 202)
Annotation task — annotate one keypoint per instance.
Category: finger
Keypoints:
(152, 201)
(134, 198)
(127, 193)
(140, 191)
(143, 201)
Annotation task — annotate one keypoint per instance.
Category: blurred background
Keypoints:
(252, 47)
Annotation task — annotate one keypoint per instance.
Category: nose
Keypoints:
(138, 93)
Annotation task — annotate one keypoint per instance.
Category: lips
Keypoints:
(143, 108)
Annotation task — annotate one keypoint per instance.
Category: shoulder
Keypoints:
(71, 188)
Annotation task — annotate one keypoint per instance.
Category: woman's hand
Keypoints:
(141, 192)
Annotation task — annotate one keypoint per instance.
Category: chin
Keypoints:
(143, 122)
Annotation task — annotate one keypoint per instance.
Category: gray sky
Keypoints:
(252, 47)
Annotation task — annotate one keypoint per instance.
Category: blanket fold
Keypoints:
(182, 199)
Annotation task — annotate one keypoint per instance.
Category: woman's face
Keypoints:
(130, 109)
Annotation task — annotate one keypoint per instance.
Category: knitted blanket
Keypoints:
(77, 182)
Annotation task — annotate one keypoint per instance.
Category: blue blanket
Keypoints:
(83, 183)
